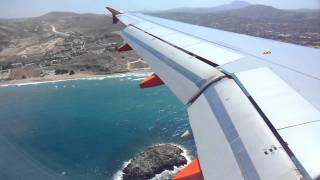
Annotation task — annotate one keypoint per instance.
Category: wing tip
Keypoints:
(114, 14)
(113, 11)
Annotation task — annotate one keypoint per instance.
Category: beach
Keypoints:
(66, 77)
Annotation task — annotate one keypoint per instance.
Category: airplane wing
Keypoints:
(253, 104)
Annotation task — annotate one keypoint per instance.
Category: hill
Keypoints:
(293, 26)
(225, 7)
(61, 42)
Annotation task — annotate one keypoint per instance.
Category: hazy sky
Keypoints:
(27, 8)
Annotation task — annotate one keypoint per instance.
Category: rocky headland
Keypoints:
(154, 160)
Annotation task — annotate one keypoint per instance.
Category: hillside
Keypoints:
(293, 26)
(66, 42)
(60, 42)
(205, 10)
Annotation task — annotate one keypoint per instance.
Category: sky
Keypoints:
(31, 8)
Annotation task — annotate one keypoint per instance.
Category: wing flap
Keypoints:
(304, 142)
(233, 141)
(293, 116)
(280, 103)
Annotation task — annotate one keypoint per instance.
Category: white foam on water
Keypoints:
(138, 79)
(118, 175)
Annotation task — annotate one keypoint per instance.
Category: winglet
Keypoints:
(114, 14)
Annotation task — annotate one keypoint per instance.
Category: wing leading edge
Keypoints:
(234, 138)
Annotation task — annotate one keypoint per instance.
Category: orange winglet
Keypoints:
(125, 47)
(151, 81)
(114, 14)
(191, 172)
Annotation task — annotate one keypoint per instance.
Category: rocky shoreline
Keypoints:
(154, 160)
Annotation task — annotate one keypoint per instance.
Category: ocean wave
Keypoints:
(118, 175)
(138, 79)
(165, 174)
(32, 83)
(50, 81)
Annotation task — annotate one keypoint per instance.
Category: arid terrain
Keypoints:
(70, 43)
(293, 26)
(61, 43)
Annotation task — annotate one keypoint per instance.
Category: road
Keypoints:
(57, 32)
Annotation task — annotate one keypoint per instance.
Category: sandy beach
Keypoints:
(49, 78)
(66, 77)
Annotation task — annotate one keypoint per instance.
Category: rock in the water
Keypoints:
(154, 160)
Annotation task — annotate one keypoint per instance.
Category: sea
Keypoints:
(86, 129)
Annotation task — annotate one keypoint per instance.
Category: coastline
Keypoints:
(66, 77)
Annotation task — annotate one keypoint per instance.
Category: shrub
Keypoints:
(61, 71)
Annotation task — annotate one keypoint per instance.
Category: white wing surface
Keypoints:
(254, 115)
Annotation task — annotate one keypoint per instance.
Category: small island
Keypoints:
(154, 160)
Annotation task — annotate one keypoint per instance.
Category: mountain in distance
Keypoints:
(261, 12)
(224, 7)
(307, 10)
(293, 26)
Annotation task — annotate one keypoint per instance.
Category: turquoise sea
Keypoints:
(84, 129)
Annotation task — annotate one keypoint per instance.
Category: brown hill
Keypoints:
(262, 21)
(63, 41)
